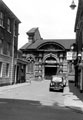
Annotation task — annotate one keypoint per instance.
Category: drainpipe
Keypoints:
(12, 62)
(81, 80)
(15, 81)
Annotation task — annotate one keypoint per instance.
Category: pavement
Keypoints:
(9, 87)
(73, 99)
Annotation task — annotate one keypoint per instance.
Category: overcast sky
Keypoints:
(54, 18)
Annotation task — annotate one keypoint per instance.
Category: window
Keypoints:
(8, 49)
(30, 66)
(8, 25)
(15, 29)
(7, 69)
(0, 69)
(1, 19)
(1, 46)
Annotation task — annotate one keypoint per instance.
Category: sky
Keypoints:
(54, 18)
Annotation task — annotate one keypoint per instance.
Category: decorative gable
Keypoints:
(51, 47)
(34, 35)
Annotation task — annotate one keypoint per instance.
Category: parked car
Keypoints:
(56, 83)
(64, 79)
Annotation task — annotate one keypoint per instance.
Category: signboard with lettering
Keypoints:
(51, 61)
(71, 55)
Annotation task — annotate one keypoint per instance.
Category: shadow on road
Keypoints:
(75, 91)
(13, 109)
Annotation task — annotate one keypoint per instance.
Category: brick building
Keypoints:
(45, 57)
(9, 25)
(79, 46)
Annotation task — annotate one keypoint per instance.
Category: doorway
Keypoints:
(49, 71)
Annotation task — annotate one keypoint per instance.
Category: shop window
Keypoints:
(7, 69)
(1, 18)
(0, 69)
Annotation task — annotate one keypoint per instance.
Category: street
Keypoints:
(33, 101)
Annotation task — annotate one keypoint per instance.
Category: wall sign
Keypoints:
(71, 55)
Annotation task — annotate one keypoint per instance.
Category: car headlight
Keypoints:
(52, 83)
(61, 84)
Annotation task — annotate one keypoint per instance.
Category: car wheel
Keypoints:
(61, 90)
(65, 85)
(50, 89)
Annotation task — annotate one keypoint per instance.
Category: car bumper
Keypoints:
(56, 88)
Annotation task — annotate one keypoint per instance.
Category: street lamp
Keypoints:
(79, 59)
(72, 6)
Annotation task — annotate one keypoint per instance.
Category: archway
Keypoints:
(51, 67)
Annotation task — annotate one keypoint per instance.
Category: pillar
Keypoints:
(81, 79)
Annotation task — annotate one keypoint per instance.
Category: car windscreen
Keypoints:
(57, 79)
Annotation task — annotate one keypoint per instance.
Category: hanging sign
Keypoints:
(71, 55)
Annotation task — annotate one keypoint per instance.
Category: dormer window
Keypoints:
(8, 25)
(1, 18)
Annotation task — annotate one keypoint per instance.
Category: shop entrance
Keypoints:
(49, 71)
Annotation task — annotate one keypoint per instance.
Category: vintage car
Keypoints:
(64, 79)
(56, 83)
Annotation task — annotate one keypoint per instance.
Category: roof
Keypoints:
(32, 31)
(66, 43)
(9, 11)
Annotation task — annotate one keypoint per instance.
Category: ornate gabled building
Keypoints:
(45, 57)
(9, 25)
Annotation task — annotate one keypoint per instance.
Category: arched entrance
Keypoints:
(51, 67)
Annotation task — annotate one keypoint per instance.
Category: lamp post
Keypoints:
(72, 6)
(79, 60)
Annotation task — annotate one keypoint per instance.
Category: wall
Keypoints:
(5, 80)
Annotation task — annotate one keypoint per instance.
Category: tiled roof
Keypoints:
(25, 46)
(66, 43)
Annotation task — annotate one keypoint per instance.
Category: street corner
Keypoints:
(75, 108)
(72, 100)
